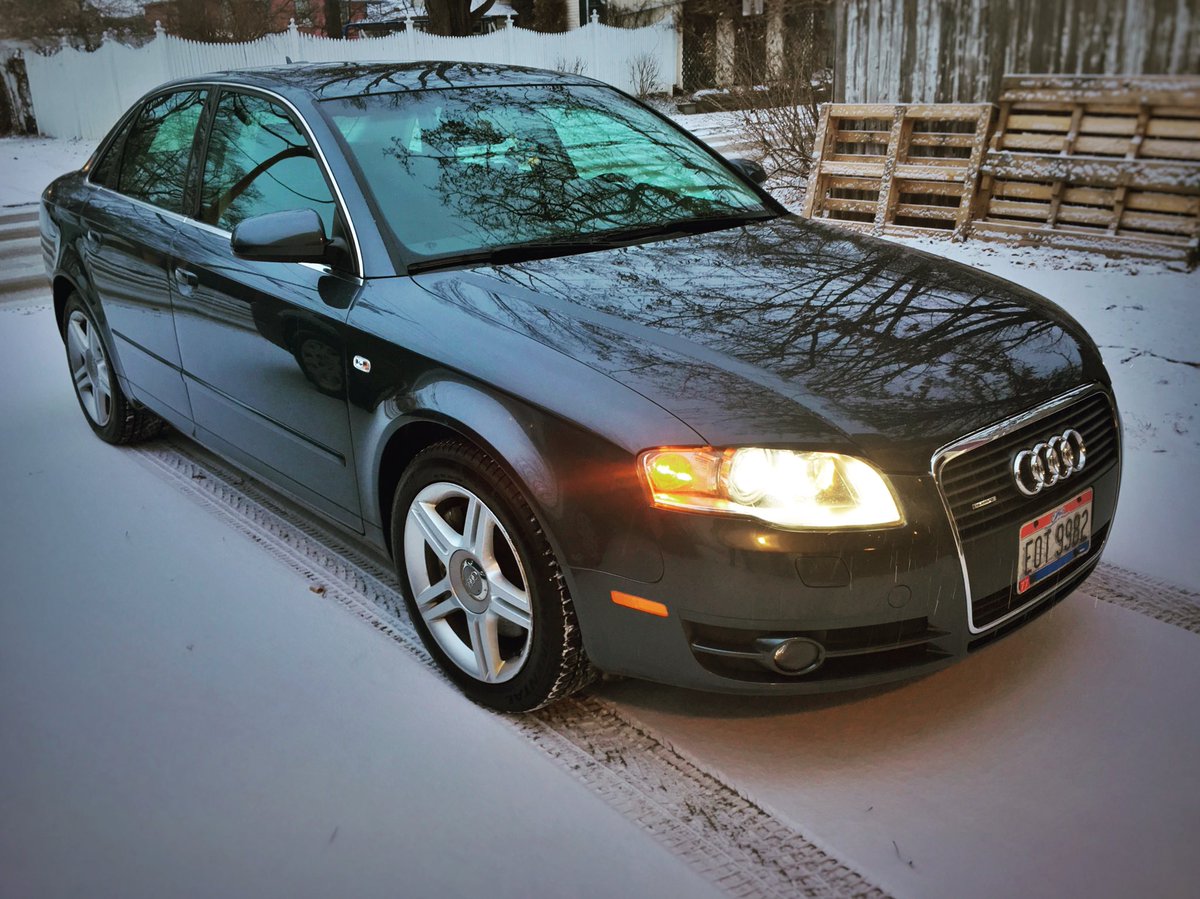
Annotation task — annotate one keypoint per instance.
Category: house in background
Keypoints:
(378, 17)
(882, 51)
(242, 21)
(360, 18)
(956, 51)
(722, 42)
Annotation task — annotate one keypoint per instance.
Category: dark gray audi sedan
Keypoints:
(608, 406)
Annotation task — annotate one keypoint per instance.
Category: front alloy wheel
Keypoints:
(467, 581)
(481, 582)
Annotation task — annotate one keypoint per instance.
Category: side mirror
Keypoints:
(294, 235)
(750, 169)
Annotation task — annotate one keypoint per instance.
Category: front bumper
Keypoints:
(883, 605)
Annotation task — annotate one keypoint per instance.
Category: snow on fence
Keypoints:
(80, 94)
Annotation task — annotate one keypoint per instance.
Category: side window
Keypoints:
(104, 172)
(154, 165)
(258, 161)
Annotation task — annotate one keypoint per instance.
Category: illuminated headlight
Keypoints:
(783, 487)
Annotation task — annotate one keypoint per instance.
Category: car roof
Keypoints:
(324, 81)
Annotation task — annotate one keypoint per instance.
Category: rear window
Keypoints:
(158, 149)
(106, 168)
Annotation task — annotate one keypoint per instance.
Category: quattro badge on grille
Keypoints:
(1048, 463)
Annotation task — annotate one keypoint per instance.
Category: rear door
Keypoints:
(262, 344)
(131, 223)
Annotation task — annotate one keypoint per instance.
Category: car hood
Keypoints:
(789, 332)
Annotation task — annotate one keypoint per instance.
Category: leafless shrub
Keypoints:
(576, 66)
(779, 112)
(645, 75)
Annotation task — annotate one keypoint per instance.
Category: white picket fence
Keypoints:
(80, 94)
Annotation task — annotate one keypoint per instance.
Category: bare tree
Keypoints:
(779, 114)
(333, 18)
(455, 17)
(547, 16)
(248, 19)
(220, 20)
(780, 76)
(81, 23)
(194, 20)
(644, 75)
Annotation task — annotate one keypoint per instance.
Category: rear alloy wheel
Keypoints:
(111, 415)
(89, 368)
(481, 582)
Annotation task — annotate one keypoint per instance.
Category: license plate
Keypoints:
(1053, 539)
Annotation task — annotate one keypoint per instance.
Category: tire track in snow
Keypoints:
(720, 833)
(1147, 595)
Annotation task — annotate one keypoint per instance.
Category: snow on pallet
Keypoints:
(898, 169)
(1108, 163)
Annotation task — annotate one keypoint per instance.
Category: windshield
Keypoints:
(462, 171)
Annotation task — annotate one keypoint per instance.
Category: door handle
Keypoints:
(186, 279)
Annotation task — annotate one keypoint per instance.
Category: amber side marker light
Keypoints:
(649, 606)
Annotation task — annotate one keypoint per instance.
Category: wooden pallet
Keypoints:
(1103, 162)
(898, 169)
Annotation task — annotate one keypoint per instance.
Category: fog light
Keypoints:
(796, 655)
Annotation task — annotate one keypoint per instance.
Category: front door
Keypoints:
(263, 343)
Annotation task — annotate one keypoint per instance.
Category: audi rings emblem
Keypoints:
(1050, 462)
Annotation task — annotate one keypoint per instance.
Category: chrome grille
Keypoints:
(981, 473)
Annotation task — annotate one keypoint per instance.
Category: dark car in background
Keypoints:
(608, 406)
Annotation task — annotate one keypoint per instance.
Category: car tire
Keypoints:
(482, 584)
(112, 415)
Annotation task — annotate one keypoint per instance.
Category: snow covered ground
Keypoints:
(28, 164)
(183, 715)
(1058, 762)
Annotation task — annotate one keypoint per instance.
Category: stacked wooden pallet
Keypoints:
(898, 169)
(1095, 162)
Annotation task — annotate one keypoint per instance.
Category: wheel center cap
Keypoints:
(469, 581)
(474, 581)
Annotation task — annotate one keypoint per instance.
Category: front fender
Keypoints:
(568, 434)
(583, 490)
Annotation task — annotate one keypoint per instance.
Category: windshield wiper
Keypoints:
(605, 240)
(689, 226)
(624, 237)
(501, 255)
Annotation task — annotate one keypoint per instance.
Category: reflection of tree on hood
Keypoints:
(825, 313)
